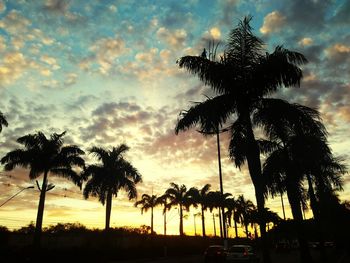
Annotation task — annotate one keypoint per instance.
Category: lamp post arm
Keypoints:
(29, 187)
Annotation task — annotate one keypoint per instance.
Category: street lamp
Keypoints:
(29, 187)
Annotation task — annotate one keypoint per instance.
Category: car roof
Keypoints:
(216, 246)
(247, 246)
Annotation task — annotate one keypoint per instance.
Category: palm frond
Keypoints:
(209, 114)
(3, 121)
(67, 173)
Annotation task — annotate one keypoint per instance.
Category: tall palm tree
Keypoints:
(201, 197)
(244, 75)
(114, 173)
(179, 196)
(244, 209)
(219, 201)
(163, 201)
(232, 213)
(3, 121)
(297, 149)
(148, 202)
(45, 156)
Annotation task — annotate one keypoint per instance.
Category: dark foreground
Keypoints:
(334, 255)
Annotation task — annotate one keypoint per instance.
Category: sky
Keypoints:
(105, 72)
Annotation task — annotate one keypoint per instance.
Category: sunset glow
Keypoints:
(105, 72)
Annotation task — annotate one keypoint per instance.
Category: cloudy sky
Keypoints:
(105, 72)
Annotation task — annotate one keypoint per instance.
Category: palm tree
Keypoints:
(163, 200)
(218, 201)
(244, 209)
(148, 202)
(244, 75)
(231, 206)
(297, 149)
(3, 121)
(106, 178)
(45, 156)
(201, 198)
(179, 196)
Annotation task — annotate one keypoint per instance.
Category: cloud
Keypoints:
(106, 51)
(113, 8)
(174, 38)
(150, 65)
(227, 9)
(70, 79)
(13, 66)
(273, 22)
(57, 6)
(300, 13)
(15, 23)
(2, 6)
(306, 41)
(215, 33)
(112, 121)
(338, 53)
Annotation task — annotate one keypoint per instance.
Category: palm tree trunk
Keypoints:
(214, 225)
(152, 220)
(165, 206)
(165, 223)
(294, 200)
(316, 212)
(222, 217)
(203, 221)
(313, 201)
(194, 223)
(235, 222)
(254, 167)
(40, 214)
(108, 209)
(284, 214)
(246, 230)
(181, 222)
(220, 223)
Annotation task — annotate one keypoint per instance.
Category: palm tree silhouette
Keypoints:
(297, 149)
(201, 198)
(244, 209)
(106, 178)
(148, 202)
(245, 74)
(232, 213)
(45, 156)
(179, 196)
(3, 121)
(218, 201)
(163, 200)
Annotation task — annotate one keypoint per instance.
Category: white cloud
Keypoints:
(273, 22)
(15, 23)
(71, 79)
(215, 33)
(12, 67)
(107, 50)
(175, 39)
(113, 8)
(306, 41)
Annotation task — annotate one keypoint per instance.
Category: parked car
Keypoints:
(241, 253)
(215, 253)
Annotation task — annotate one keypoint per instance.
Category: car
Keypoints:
(215, 253)
(241, 253)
